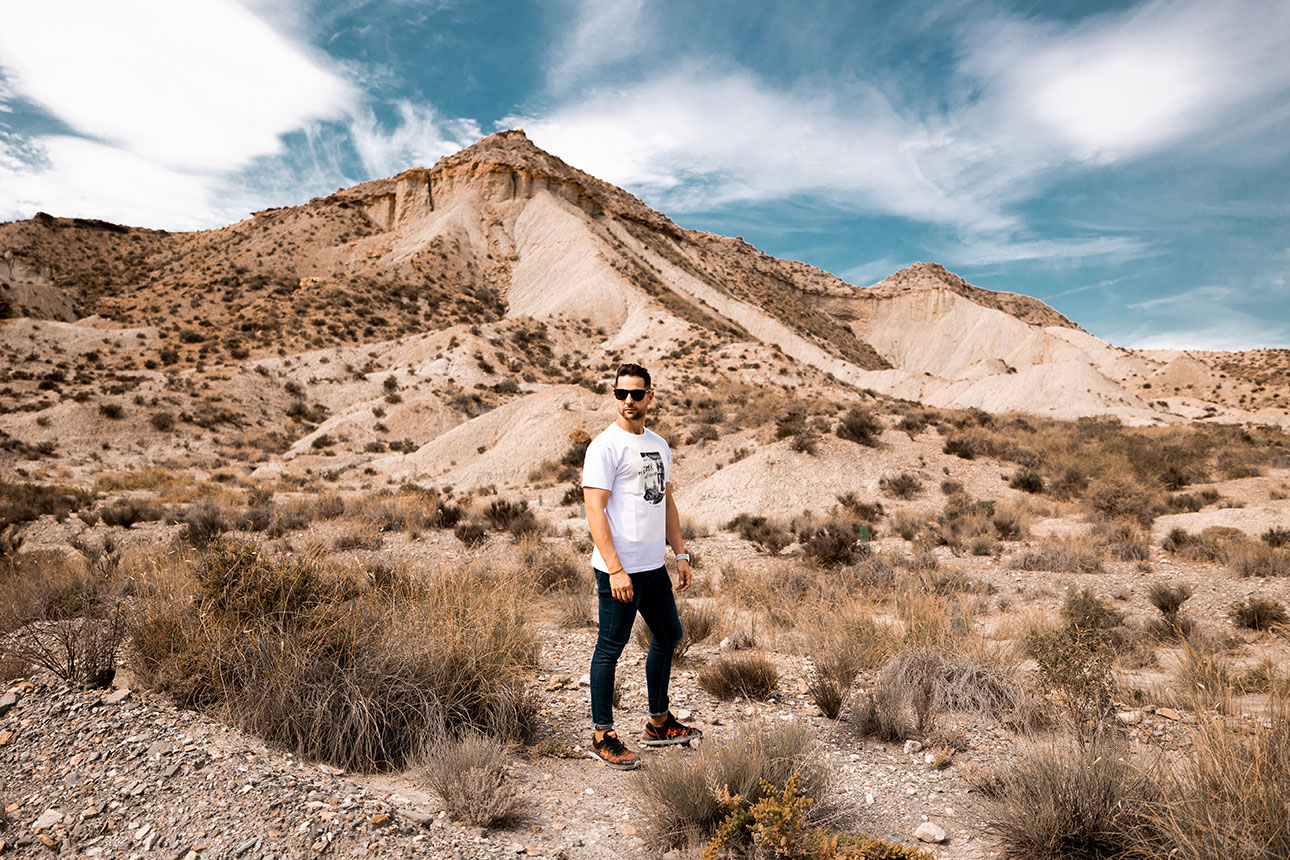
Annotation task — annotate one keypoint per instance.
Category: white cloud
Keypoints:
(420, 138)
(202, 84)
(75, 176)
(603, 32)
(1124, 83)
(996, 250)
(699, 139)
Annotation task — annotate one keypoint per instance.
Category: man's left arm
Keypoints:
(677, 542)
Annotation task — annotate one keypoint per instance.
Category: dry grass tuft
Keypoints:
(468, 773)
(1258, 613)
(1059, 555)
(1069, 802)
(751, 676)
(320, 661)
(65, 617)
(685, 796)
(913, 688)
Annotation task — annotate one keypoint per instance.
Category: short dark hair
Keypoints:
(630, 369)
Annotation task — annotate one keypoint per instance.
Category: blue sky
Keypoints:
(1128, 163)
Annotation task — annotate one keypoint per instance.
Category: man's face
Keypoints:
(629, 408)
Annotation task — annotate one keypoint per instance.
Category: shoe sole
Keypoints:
(608, 763)
(692, 740)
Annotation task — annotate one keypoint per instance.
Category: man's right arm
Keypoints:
(598, 522)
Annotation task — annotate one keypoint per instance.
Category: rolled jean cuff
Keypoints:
(663, 714)
(600, 728)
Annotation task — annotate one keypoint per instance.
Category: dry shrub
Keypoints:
(514, 517)
(1214, 544)
(770, 536)
(783, 592)
(575, 609)
(1074, 674)
(1258, 613)
(907, 525)
(848, 639)
(22, 503)
(1260, 561)
(751, 676)
(829, 684)
(127, 512)
(319, 661)
(1169, 598)
(1276, 536)
(906, 485)
(203, 523)
(411, 509)
(1227, 797)
(779, 820)
(468, 773)
(1059, 555)
(67, 618)
(860, 426)
(698, 622)
(472, 534)
(834, 542)
(914, 687)
(1120, 498)
(552, 568)
(1204, 676)
(867, 512)
(684, 797)
(1124, 540)
(1070, 802)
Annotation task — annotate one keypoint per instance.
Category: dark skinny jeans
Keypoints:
(652, 598)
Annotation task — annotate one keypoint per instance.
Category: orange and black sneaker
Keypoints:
(612, 752)
(671, 732)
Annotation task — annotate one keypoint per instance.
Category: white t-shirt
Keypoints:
(635, 470)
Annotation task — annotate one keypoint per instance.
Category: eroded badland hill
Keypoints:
(307, 486)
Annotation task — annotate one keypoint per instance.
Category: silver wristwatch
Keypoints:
(684, 555)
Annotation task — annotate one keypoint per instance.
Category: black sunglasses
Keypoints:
(637, 394)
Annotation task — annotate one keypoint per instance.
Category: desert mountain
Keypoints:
(452, 323)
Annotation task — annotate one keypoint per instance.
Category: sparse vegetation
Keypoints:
(468, 773)
(750, 676)
(303, 655)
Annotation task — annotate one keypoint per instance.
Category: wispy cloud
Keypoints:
(420, 136)
(199, 85)
(1127, 82)
(700, 137)
(601, 33)
(189, 115)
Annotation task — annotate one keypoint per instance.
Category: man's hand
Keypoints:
(683, 574)
(620, 585)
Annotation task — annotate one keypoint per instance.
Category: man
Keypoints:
(631, 515)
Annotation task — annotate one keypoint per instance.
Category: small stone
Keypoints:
(5, 737)
(116, 697)
(1129, 718)
(47, 819)
(379, 818)
(929, 758)
(683, 715)
(8, 701)
(929, 832)
(868, 798)
(1168, 714)
(584, 681)
(912, 747)
(629, 830)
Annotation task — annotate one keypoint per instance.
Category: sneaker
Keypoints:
(612, 752)
(671, 732)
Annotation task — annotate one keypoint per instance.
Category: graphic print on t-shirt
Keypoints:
(652, 477)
